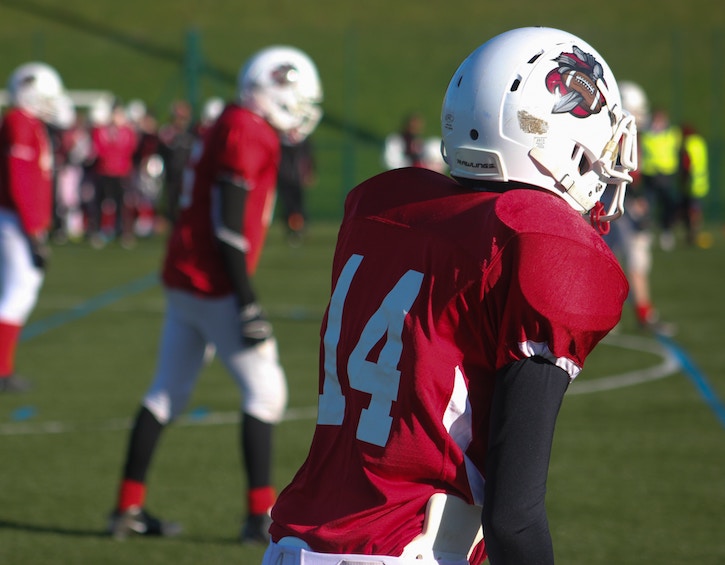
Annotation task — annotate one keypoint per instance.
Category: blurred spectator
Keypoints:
(296, 175)
(410, 148)
(114, 144)
(660, 149)
(405, 147)
(176, 140)
(694, 184)
(75, 148)
(148, 169)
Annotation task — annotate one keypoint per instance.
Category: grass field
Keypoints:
(637, 471)
(636, 475)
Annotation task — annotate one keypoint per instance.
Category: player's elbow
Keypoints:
(517, 535)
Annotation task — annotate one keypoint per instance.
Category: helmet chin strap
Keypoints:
(595, 217)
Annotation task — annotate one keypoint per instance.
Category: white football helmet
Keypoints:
(281, 84)
(540, 106)
(37, 88)
(634, 101)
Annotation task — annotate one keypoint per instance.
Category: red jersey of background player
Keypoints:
(26, 170)
(435, 288)
(114, 147)
(240, 146)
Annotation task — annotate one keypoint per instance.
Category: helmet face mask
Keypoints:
(37, 88)
(282, 85)
(539, 106)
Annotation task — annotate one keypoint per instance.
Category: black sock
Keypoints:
(142, 442)
(256, 440)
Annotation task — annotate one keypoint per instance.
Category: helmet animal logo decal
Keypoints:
(285, 74)
(575, 80)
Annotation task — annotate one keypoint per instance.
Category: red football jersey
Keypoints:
(26, 164)
(434, 289)
(114, 147)
(242, 146)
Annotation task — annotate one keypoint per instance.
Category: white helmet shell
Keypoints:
(540, 106)
(38, 89)
(281, 84)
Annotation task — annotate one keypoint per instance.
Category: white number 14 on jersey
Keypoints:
(380, 379)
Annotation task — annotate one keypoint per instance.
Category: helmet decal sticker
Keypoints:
(285, 74)
(575, 81)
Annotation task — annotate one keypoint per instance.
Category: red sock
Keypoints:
(131, 493)
(9, 336)
(643, 311)
(261, 499)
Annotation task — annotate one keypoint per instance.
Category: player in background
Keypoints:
(37, 99)
(224, 214)
(631, 238)
(461, 309)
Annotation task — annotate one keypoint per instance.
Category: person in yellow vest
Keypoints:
(694, 183)
(660, 161)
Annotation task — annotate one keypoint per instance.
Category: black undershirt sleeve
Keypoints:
(526, 403)
(232, 199)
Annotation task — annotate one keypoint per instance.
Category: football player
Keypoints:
(225, 211)
(631, 237)
(37, 99)
(461, 309)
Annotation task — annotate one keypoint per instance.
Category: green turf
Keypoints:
(636, 475)
(637, 472)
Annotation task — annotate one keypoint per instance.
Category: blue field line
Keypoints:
(89, 306)
(697, 377)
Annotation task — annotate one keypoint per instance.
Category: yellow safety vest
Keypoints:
(696, 148)
(660, 151)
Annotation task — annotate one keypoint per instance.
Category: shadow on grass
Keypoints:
(51, 529)
(102, 533)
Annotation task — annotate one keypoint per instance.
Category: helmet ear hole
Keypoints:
(579, 156)
(474, 134)
(584, 165)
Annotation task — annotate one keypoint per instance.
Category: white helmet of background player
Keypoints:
(635, 101)
(37, 88)
(540, 106)
(281, 84)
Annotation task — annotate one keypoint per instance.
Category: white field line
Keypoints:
(667, 367)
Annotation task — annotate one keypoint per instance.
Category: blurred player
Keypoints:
(37, 99)
(631, 237)
(225, 210)
(461, 309)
